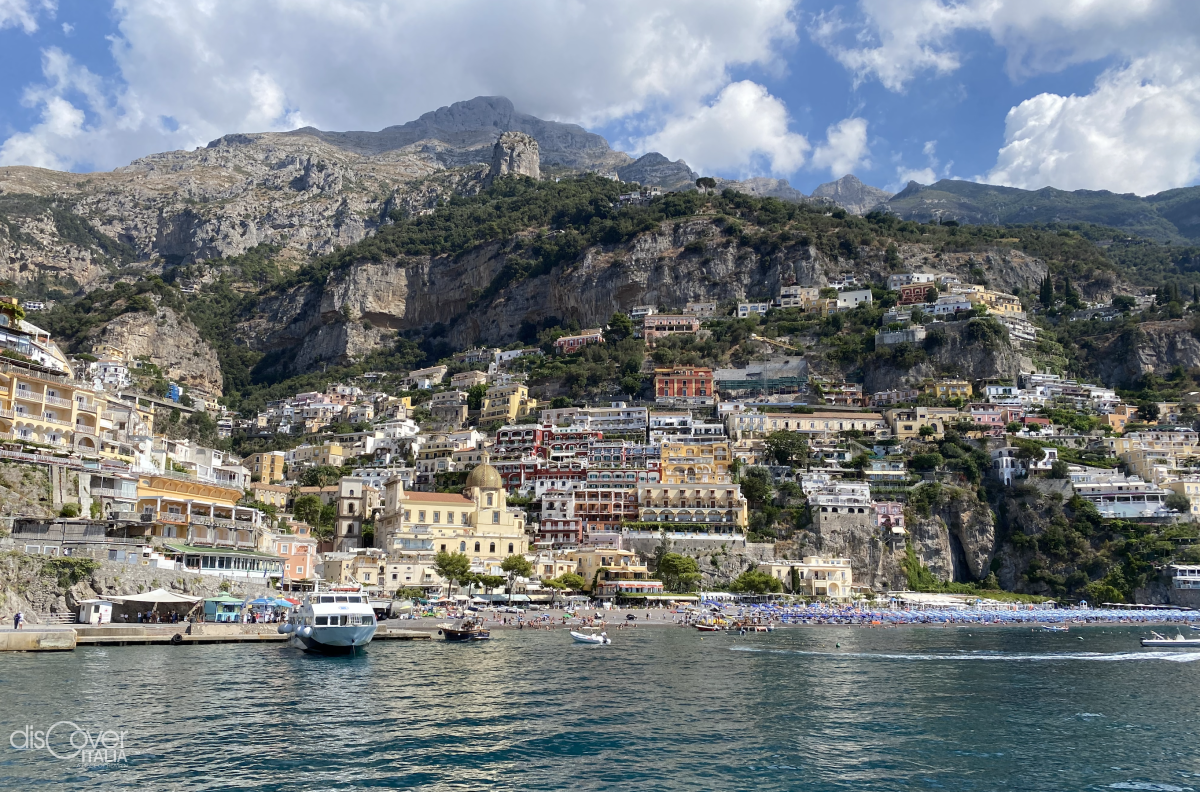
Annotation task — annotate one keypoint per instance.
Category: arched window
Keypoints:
(477, 547)
(462, 547)
(489, 499)
(510, 547)
(492, 547)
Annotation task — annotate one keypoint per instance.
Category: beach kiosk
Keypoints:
(95, 611)
(222, 609)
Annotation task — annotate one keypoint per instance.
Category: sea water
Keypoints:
(821, 708)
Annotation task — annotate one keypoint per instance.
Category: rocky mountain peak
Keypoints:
(653, 169)
(515, 153)
(852, 195)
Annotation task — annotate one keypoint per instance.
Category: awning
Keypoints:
(157, 596)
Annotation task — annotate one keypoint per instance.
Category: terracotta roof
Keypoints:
(438, 497)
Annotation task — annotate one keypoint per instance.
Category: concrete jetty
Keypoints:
(38, 639)
(60, 639)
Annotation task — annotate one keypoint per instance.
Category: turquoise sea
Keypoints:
(660, 709)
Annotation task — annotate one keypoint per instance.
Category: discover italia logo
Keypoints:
(67, 741)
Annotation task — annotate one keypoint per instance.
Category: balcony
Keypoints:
(85, 429)
(58, 402)
(48, 418)
(87, 406)
(172, 519)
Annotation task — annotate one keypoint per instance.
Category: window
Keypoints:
(495, 517)
(510, 548)
(322, 621)
(477, 547)
(462, 547)
(299, 570)
(443, 548)
(489, 499)
(421, 516)
(437, 517)
(492, 547)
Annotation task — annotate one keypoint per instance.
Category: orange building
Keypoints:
(683, 382)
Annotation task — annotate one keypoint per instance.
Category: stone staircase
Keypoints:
(56, 618)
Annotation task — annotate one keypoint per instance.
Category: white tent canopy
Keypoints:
(157, 596)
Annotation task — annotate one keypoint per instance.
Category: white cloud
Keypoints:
(360, 64)
(895, 40)
(24, 13)
(919, 175)
(844, 149)
(1138, 131)
(743, 131)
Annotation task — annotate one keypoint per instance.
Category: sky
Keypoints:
(1073, 94)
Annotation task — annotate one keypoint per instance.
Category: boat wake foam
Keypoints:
(1114, 657)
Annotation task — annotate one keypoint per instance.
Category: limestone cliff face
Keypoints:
(1154, 347)
(975, 349)
(343, 318)
(171, 342)
(516, 154)
(956, 541)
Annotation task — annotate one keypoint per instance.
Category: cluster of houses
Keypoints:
(587, 489)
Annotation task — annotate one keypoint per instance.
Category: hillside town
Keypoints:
(384, 488)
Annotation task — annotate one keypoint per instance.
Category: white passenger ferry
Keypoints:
(337, 621)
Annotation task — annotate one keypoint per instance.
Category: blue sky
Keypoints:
(1095, 94)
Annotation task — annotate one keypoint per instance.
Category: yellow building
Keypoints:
(365, 566)
(611, 573)
(40, 406)
(506, 403)
(948, 389)
(814, 576)
(906, 423)
(312, 456)
(1122, 414)
(271, 494)
(477, 523)
(695, 463)
(266, 466)
(1189, 487)
(202, 524)
(996, 302)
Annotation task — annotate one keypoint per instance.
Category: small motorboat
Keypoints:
(1177, 642)
(708, 627)
(468, 629)
(1054, 628)
(598, 639)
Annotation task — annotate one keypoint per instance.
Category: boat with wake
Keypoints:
(338, 620)
(1178, 642)
(1055, 628)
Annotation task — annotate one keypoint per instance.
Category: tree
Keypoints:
(1046, 292)
(756, 488)
(927, 431)
(620, 327)
(754, 582)
(706, 183)
(1060, 470)
(475, 396)
(787, 448)
(307, 508)
(320, 476)
(678, 572)
(1147, 411)
(891, 256)
(1179, 503)
(930, 461)
(931, 294)
(571, 581)
(1012, 427)
(516, 566)
(452, 566)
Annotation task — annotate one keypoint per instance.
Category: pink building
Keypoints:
(569, 344)
(660, 325)
(889, 516)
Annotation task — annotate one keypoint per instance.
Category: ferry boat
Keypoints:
(339, 620)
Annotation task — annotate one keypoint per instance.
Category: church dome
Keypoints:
(484, 476)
